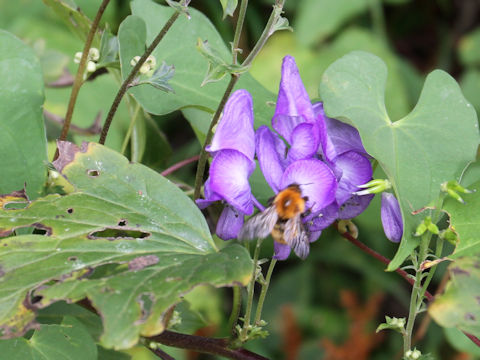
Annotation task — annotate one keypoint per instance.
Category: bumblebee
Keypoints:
(283, 220)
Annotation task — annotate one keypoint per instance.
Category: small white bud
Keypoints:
(151, 61)
(91, 66)
(77, 57)
(94, 54)
(145, 68)
(134, 61)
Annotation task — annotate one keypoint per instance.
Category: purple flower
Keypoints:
(391, 217)
(233, 150)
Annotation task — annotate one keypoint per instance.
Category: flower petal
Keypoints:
(313, 236)
(229, 173)
(210, 196)
(323, 218)
(270, 153)
(293, 99)
(354, 206)
(304, 142)
(391, 217)
(339, 137)
(315, 179)
(282, 251)
(235, 129)
(355, 169)
(229, 223)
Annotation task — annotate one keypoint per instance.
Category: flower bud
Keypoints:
(77, 57)
(93, 54)
(91, 66)
(391, 217)
(374, 186)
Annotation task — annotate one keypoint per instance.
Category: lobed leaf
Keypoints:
(126, 238)
(429, 146)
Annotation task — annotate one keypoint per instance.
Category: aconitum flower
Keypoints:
(391, 217)
(233, 151)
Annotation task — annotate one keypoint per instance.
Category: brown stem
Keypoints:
(381, 258)
(179, 165)
(80, 72)
(133, 73)
(203, 154)
(204, 345)
(93, 129)
(401, 272)
(161, 354)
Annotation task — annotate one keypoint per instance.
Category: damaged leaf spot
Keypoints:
(146, 301)
(93, 173)
(42, 229)
(458, 271)
(70, 210)
(142, 262)
(469, 316)
(72, 258)
(123, 222)
(118, 234)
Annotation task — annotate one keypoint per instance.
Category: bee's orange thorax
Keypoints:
(289, 202)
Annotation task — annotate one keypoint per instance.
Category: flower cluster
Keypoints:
(323, 156)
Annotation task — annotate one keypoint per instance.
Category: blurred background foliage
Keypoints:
(328, 306)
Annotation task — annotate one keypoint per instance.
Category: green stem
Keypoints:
(251, 290)
(238, 29)
(416, 297)
(267, 32)
(202, 161)
(277, 10)
(236, 307)
(261, 300)
(438, 254)
(77, 83)
(130, 128)
(124, 87)
(378, 20)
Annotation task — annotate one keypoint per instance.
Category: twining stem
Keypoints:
(263, 293)
(251, 290)
(126, 83)
(179, 165)
(416, 298)
(267, 32)
(77, 83)
(238, 30)
(438, 254)
(236, 307)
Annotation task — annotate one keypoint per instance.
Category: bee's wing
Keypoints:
(260, 225)
(296, 237)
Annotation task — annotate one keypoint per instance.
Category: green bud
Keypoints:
(449, 235)
(452, 188)
(374, 186)
(421, 228)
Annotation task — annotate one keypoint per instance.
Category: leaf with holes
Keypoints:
(459, 305)
(419, 152)
(126, 238)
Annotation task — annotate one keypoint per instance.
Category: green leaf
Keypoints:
(465, 219)
(69, 340)
(127, 239)
(229, 7)
(160, 78)
(469, 48)
(189, 64)
(23, 145)
(73, 17)
(413, 150)
(317, 19)
(396, 324)
(108, 50)
(459, 305)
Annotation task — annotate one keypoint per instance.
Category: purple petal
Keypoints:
(355, 169)
(293, 99)
(270, 154)
(210, 196)
(340, 137)
(323, 218)
(304, 142)
(229, 173)
(391, 217)
(354, 206)
(315, 179)
(281, 251)
(229, 223)
(235, 129)
(313, 236)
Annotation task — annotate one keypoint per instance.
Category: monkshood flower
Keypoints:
(391, 217)
(233, 151)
